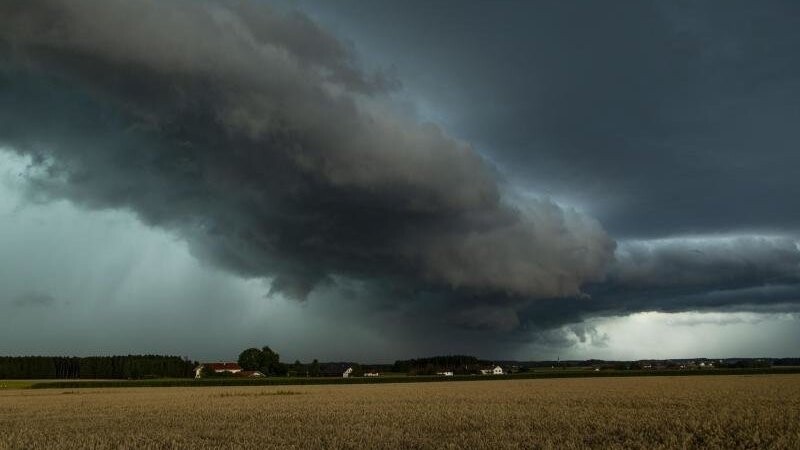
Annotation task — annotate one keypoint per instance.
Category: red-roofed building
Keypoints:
(220, 367)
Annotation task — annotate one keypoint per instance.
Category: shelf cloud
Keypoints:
(256, 135)
(261, 139)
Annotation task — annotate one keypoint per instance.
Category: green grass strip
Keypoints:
(410, 379)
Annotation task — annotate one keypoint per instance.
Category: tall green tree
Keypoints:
(314, 370)
(265, 361)
(270, 361)
(297, 369)
(251, 359)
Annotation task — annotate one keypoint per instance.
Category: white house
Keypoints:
(371, 374)
(347, 372)
(497, 370)
(445, 374)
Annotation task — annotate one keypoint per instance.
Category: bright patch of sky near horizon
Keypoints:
(107, 284)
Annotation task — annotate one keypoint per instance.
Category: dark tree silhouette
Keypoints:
(251, 359)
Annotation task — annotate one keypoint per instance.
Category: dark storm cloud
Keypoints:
(661, 118)
(733, 273)
(749, 273)
(736, 273)
(706, 262)
(258, 138)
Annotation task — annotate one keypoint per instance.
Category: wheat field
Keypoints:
(759, 411)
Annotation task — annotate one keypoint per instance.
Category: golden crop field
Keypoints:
(757, 411)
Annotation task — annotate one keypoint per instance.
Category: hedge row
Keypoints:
(411, 379)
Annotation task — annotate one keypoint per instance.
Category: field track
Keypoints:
(742, 411)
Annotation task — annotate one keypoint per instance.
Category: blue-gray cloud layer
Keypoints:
(662, 118)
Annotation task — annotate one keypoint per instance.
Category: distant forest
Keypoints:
(459, 364)
(95, 367)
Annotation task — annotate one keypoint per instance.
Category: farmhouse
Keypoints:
(227, 368)
(219, 367)
(496, 370)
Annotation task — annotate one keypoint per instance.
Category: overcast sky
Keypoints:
(381, 180)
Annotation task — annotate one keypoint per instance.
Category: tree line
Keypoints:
(93, 367)
(458, 364)
(267, 361)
